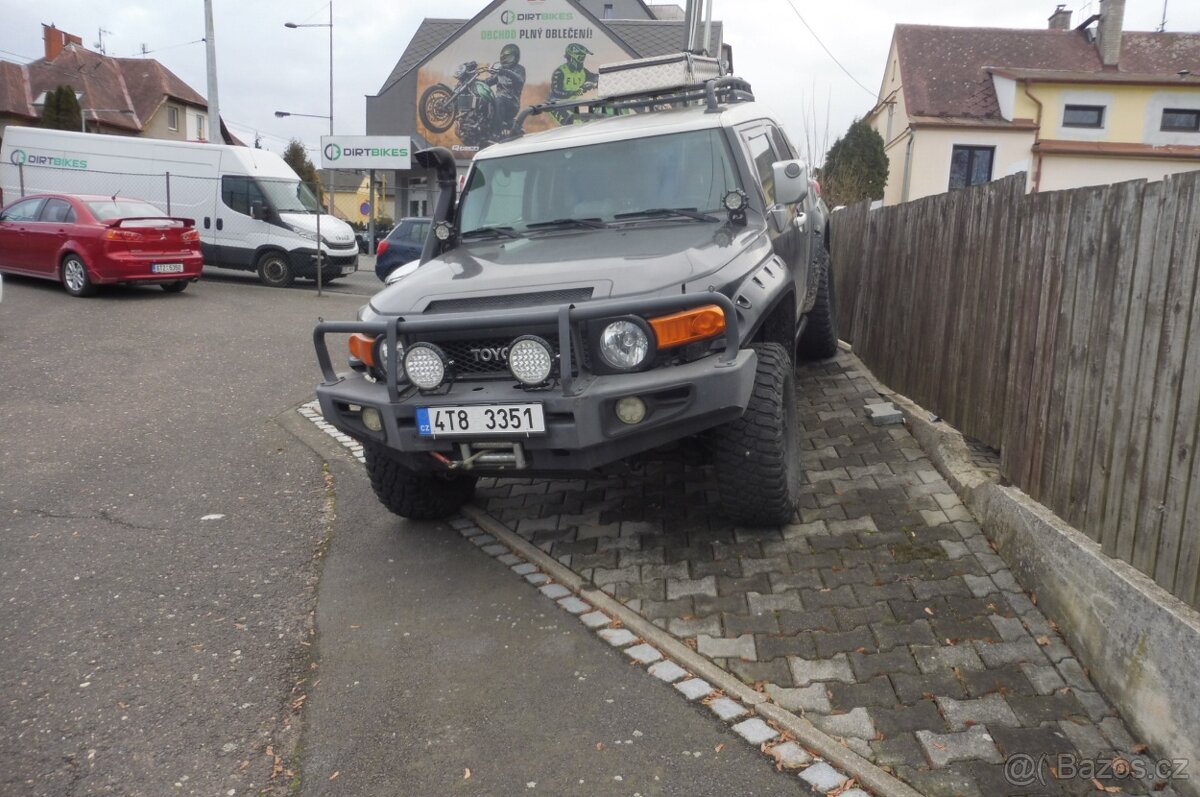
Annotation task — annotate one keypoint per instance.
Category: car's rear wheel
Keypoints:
(820, 338)
(413, 495)
(275, 270)
(757, 457)
(178, 286)
(75, 277)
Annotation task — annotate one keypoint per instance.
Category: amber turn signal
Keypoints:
(362, 348)
(689, 326)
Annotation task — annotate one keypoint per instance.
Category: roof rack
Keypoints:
(727, 90)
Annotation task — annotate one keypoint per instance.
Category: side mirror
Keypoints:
(257, 211)
(791, 182)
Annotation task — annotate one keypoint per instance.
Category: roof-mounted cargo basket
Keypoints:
(713, 93)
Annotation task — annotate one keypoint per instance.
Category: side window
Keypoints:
(759, 145)
(239, 193)
(782, 146)
(58, 210)
(420, 231)
(24, 211)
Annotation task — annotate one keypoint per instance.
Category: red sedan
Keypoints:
(86, 241)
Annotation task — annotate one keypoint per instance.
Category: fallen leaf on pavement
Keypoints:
(599, 745)
(334, 776)
(719, 748)
(466, 774)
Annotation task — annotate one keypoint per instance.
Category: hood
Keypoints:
(333, 230)
(643, 260)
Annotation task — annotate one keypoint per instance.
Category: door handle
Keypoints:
(207, 223)
(220, 224)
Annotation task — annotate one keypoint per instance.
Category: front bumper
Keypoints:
(336, 262)
(583, 432)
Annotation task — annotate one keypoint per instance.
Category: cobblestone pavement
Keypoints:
(882, 613)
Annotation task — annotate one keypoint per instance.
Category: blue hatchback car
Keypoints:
(403, 245)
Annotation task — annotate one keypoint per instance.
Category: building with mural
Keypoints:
(460, 84)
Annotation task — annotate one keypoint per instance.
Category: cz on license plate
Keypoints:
(167, 268)
(480, 419)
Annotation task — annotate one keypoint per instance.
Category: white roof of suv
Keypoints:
(618, 128)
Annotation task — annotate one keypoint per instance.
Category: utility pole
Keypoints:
(210, 45)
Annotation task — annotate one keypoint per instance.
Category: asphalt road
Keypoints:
(164, 524)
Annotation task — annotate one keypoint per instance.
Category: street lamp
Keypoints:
(329, 25)
(281, 114)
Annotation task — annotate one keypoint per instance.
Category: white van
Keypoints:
(251, 209)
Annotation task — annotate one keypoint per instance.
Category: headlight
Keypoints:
(382, 358)
(425, 365)
(305, 234)
(624, 345)
(530, 359)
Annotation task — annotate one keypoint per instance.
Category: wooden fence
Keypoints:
(1062, 328)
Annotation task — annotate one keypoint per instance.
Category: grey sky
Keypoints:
(264, 67)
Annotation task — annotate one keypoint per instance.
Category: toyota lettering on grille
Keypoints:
(490, 354)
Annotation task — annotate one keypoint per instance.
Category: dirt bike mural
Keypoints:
(520, 53)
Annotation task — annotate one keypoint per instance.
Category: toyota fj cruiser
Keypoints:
(599, 290)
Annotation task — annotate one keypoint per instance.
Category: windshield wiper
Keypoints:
(591, 224)
(686, 213)
(505, 232)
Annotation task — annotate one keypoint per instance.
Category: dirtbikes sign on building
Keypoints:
(366, 152)
(516, 54)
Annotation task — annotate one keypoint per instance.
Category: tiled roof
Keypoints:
(131, 89)
(659, 37)
(14, 90)
(429, 37)
(945, 70)
(666, 11)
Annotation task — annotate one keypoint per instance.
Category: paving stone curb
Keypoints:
(1119, 620)
(806, 734)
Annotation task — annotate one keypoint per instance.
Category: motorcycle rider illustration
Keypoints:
(571, 79)
(509, 79)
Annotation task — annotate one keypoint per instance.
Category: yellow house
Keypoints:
(1079, 106)
(352, 192)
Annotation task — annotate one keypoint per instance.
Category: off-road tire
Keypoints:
(412, 495)
(436, 117)
(275, 270)
(178, 286)
(75, 278)
(820, 338)
(757, 457)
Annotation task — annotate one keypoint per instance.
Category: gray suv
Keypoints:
(597, 291)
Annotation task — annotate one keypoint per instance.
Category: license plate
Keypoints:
(479, 419)
(167, 268)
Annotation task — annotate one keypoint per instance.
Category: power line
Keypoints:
(140, 53)
(792, 5)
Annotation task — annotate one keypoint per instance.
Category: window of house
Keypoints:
(1083, 116)
(1181, 120)
(970, 165)
(200, 127)
(172, 118)
(608, 10)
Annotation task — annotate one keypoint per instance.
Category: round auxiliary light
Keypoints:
(443, 231)
(631, 410)
(530, 359)
(624, 345)
(735, 200)
(425, 365)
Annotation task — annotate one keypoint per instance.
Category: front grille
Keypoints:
(484, 358)
(504, 302)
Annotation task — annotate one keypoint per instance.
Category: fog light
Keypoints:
(425, 365)
(631, 410)
(372, 419)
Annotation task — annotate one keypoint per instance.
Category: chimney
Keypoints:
(1060, 19)
(56, 41)
(1112, 18)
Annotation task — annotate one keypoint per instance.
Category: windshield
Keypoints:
(690, 170)
(105, 209)
(289, 196)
